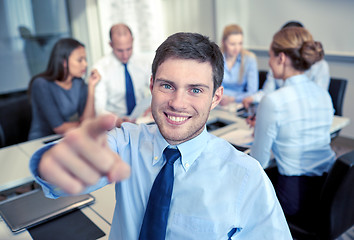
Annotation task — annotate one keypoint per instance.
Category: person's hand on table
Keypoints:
(251, 120)
(247, 101)
(82, 157)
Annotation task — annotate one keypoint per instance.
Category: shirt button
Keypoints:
(155, 158)
(186, 165)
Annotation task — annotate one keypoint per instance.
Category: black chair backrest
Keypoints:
(337, 90)
(262, 78)
(15, 119)
(337, 200)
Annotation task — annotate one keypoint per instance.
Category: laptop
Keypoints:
(32, 208)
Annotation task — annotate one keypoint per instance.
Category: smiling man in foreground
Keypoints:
(209, 190)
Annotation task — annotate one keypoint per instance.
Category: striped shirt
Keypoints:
(294, 123)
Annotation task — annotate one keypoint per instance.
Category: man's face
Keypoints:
(182, 97)
(122, 47)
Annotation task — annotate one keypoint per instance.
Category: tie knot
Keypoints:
(171, 155)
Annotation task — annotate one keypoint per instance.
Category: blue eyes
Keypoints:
(196, 90)
(166, 86)
(169, 87)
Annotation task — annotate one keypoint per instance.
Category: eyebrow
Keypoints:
(189, 85)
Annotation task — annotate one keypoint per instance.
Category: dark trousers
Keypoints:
(299, 197)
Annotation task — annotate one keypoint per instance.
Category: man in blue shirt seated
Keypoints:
(218, 192)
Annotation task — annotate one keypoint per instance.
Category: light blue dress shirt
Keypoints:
(318, 73)
(294, 122)
(217, 189)
(250, 82)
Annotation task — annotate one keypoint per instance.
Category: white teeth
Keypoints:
(177, 119)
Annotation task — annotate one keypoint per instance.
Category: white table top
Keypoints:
(14, 169)
(339, 123)
(105, 202)
(30, 147)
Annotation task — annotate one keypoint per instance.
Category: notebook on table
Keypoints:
(33, 208)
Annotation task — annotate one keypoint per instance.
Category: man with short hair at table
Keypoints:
(213, 191)
(124, 78)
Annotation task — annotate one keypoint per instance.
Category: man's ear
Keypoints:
(151, 84)
(217, 97)
(111, 44)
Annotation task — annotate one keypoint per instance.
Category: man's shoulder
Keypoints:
(228, 154)
(135, 131)
(139, 64)
(106, 61)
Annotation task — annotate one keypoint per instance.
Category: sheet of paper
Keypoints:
(240, 137)
(141, 108)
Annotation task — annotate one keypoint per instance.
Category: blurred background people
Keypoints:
(60, 98)
(125, 81)
(294, 123)
(240, 69)
(318, 73)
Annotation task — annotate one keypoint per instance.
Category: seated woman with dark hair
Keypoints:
(60, 98)
(294, 123)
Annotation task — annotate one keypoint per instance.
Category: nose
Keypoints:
(178, 101)
(84, 63)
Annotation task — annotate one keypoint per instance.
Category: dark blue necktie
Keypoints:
(129, 91)
(156, 214)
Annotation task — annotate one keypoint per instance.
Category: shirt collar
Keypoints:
(297, 79)
(238, 61)
(190, 150)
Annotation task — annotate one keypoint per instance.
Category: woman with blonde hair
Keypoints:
(294, 123)
(240, 67)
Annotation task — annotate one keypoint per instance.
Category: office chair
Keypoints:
(336, 214)
(15, 119)
(2, 137)
(337, 90)
(262, 78)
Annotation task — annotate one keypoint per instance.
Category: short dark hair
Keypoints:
(191, 46)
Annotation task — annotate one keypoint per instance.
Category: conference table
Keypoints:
(14, 172)
(14, 169)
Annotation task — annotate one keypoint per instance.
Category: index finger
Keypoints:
(99, 125)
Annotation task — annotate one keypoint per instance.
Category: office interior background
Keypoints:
(29, 29)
